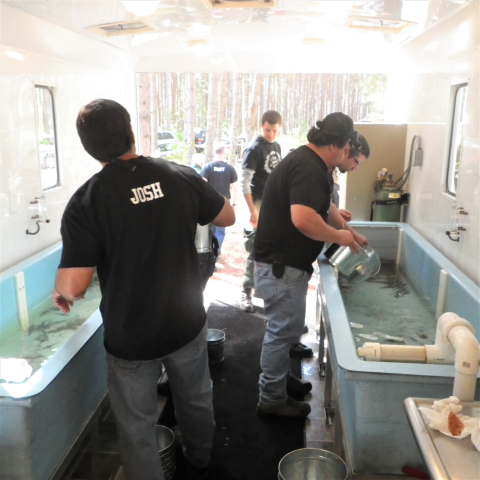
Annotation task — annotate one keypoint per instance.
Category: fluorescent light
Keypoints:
(141, 8)
(15, 55)
(200, 47)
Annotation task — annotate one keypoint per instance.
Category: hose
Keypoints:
(406, 174)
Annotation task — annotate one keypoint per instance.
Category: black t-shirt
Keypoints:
(220, 176)
(301, 178)
(135, 221)
(262, 157)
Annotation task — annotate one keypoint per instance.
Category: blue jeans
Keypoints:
(219, 232)
(132, 389)
(285, 304)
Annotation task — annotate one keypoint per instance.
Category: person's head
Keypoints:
(356, 156)
(271, 123)
(336, 134)
(219, 151)
(104, 130)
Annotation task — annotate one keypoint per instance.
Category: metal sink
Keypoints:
(446, 458)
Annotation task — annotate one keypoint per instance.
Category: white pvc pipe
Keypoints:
(400, 246)
(22, 309)
(442, 291)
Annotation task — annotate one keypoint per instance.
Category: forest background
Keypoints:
(234, 103)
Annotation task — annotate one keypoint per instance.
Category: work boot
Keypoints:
(246, 302)
(291, 408)
(297, 388)
(299, 350)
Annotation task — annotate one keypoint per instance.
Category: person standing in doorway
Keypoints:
(296, 219)
(223, 178)
(259, 160)
(135, 222)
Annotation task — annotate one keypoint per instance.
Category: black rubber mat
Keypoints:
(246, 447)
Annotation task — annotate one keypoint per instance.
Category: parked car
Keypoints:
(201, 134)
(167, 142)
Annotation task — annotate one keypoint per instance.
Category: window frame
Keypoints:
(55, 142)
(450, 187)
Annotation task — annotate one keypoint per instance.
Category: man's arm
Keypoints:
(336, 220)
(71, 285)
(226, 217)
(312, 225)
(245, 180)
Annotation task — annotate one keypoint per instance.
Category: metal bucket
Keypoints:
(166, 450)
(216, 341)
(312, 464)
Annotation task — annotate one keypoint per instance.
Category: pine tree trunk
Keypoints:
(253, 110)
(213, 79)
(222, 101)
(190, 116)
(144, 113)
(235, 114)
(153, 113)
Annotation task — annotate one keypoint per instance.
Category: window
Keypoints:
(47, 143)
(456, 138)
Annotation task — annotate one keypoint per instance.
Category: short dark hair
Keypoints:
(104, 129)
(272, 117)
(364, 148)
(335, 129)
(219, 149)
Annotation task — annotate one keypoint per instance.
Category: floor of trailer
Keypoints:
(225, 285)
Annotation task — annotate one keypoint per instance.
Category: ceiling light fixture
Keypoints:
(200, 47)
(15, 55)
(386, 25)
(240, 3)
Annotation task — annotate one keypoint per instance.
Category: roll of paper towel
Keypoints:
(14, 369)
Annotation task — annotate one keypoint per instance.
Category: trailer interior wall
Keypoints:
(445, 55)
(79, 69)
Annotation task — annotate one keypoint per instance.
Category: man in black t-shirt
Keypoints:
(291, 232)
(259, 160)
(223, 178)
(135, 221)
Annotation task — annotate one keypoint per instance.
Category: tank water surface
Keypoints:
(389, 309)
(49, 329)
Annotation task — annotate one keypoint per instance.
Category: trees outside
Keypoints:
(235, 102)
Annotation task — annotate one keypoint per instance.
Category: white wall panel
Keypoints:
(74, 84)
(430, 211)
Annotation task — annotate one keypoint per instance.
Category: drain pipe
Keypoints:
(455, 343)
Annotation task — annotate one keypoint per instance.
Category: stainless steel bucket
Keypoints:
(166, 450)
(312, 464)
(216, 341)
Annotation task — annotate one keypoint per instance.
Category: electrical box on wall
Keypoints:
(417, 157)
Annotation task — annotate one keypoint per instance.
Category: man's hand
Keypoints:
(346, 239)
(360, 239)
(346, 214)
(253, 217)
(62, 303)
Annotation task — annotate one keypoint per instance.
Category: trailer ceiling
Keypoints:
(290, 31)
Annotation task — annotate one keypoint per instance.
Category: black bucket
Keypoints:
(216, 340)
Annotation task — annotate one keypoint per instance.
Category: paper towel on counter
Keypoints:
(14, 369)
(438, 418)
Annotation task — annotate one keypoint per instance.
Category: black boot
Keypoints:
(297, 388)
(299, 350)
